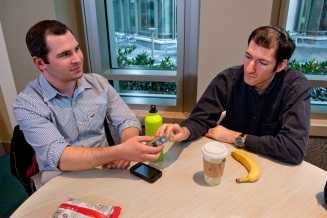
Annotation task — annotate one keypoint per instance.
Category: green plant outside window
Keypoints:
(313, 67)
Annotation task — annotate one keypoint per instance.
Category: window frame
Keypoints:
(279, 17)
(318, 113)
(188, 12)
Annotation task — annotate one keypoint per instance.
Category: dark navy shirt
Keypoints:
(276, 121)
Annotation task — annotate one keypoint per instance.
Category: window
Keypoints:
(307, 25)
(144, 49)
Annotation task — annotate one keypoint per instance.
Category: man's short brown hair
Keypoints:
(36, 37)
(274, 37)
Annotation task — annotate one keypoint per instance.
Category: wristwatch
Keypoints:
(240, 140)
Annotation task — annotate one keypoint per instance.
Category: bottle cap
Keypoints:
(153, 109)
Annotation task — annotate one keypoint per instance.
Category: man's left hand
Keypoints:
(123, 164)
(222, 134)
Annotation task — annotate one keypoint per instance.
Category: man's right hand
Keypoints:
(174, 132)
(119, 156)
(135, 149)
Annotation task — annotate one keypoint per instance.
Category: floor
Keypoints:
(12, 192)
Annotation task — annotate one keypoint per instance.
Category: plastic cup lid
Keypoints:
(215, 150)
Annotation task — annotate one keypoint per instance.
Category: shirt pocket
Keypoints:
(94, 116)
(271, 128)
(64, 120)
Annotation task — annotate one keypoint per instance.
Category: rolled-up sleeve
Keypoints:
(208, 110)
(33, 117)
(120, 115)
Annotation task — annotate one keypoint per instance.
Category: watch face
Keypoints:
(239, 141)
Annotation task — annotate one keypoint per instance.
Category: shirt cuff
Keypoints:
(251, 142)
(192, 135)
(55, 151)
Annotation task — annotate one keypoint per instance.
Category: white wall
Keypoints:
(16, 17)
(224, 29)
(7, 93)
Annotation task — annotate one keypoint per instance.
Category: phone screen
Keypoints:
(146, 172)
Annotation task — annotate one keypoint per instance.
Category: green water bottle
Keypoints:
(152, 121)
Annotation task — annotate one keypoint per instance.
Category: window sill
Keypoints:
(141, 75)
(318, 127)
(168, 116)
(165, 101)
(317, 80)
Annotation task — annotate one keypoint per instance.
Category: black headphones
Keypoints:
(279, 30)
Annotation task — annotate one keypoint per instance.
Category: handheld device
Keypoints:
(157, 141)
(145, 172)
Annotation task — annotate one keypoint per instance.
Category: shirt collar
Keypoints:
(273, 83)
(82, 85)
(49, 92)
(270, 86)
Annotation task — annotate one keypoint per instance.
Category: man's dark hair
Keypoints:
(274, 37)
(36, 37)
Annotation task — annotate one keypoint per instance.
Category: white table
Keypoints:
(282, 191)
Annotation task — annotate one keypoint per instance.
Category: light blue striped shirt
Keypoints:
(51, 121)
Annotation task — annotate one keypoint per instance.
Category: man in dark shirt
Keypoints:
(267, 104)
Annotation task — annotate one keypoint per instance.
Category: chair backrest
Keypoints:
(22, 160)
(325, 193)
(110, 139)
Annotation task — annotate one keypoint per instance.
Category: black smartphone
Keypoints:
(145, 172)
(158, 141)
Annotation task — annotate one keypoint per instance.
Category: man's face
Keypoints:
(259, 66)
(65, 59)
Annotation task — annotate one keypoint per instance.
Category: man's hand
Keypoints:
(117, 164)
(174, 132)
(123, 164)
(222, 134)
(118, 156)
(135, 149)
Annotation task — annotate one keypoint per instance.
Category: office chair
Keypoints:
(23, 160)
(110, 139)
(325, 191)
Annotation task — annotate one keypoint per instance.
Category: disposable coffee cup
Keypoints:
(214, 156)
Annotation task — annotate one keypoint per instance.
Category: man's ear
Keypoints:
(282, 65)
(39, 63)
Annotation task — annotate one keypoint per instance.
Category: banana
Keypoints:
(251, 166)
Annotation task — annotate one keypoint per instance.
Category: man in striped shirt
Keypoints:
(62, 111)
